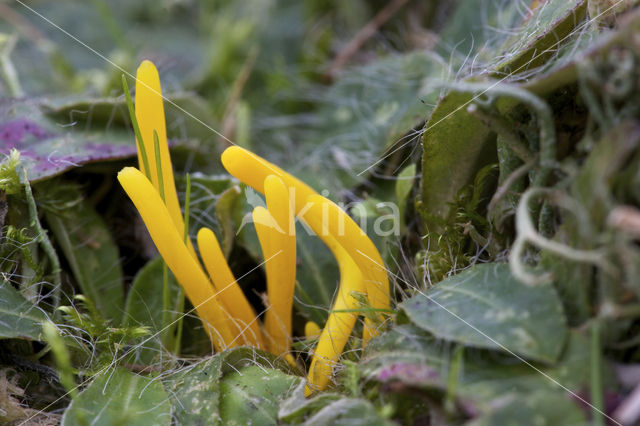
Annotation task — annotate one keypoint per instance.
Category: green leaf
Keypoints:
(92, 255)
(215, 390)
(537, 409)
(347, 411)
(537, 39)
(404, 184)
(485, 306)
(252, 395)
(19, 317)
(418, 360)
(98, 112)
(327, 409)
(144, 307)
(196, 392)
(297, 407)
(120, 397)
(467, 31)
(48, 148)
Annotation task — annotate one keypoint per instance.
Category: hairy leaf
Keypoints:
(19, 317)
(485, 306)
(120, 397)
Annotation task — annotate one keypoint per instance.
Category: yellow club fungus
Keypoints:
(224, 310)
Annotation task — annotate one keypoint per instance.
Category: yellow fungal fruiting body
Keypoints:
(338, 328)
(240, 313)
(150, 116)
(171, 246)
(229, 302)
(224, 310)
(252, 170)
(350, 245)
(276, 231)
(356, 243)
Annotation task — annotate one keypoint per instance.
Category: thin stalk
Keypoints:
(44, 240)
(166, 293)
(180, 301)
(166, 306)
(454, 377)
(111, 23)
(7, 69)
(156, 145)
(596, 375)
(136, 128)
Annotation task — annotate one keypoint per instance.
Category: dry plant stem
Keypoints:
(508, 182)
(44, 240)
(236, 93)
(526, 233)
(7, 69)
(363, 35)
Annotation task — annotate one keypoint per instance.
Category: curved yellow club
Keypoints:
(150, 115)
(242, 318)
(342, 318)
(252, 170)
(330, 219)
(173, 250)
(281, 275)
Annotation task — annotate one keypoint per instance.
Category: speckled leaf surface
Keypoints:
(196, 393)
(237, 386)
(119, 397)
(18, 317)
(485, 306)
(252, 395)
